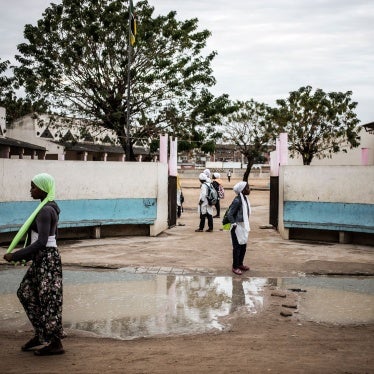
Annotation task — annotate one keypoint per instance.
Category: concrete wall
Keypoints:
(336, 198)
(88, 193)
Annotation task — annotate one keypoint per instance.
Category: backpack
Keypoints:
(212, 195)
(221, 192)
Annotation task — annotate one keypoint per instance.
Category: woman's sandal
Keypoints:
(53, 348)
(244, 267)
(32, 343)
(237, 271)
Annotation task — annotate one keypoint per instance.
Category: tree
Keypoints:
(318, 124)
(76, 58)
(15, 106)
(250, 129)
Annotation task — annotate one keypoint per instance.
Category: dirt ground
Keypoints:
(260, 343)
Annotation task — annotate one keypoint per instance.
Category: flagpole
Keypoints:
(128, 140)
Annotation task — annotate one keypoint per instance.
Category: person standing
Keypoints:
(229, 175)
(180, 197)
(217, 184)
(205, 210)
(238, 216)
(40, 291)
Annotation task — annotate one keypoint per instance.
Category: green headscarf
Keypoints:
(46, 183)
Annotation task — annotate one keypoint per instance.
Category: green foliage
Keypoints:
(76, 58)
(318, 124)
(251, 130)
(15, 106)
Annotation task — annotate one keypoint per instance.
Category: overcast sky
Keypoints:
(266, 48)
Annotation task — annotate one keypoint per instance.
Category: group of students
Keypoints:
(237, 215)
(206, 210)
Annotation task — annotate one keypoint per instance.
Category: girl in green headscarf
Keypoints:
(40, 291)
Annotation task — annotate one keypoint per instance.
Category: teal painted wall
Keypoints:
(329, 216)
(87, 212)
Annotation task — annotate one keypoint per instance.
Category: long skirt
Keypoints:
(40, 293)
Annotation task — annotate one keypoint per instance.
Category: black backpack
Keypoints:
(212, 195)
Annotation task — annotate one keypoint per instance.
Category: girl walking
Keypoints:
(40, 291)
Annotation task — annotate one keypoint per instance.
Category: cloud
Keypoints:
(266, 48)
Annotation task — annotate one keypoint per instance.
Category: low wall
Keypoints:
(90, 194)
(334, 198)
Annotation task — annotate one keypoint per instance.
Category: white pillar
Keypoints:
(173, 162)
(365, 156)
(283, 148)
(164, 149)
(274, 164)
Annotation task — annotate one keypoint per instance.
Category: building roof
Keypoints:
(100, 148)
(18, 143)
(369, 127)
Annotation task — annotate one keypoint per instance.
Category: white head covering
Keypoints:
(217, 175)
(207, 172)
(238, 188)
(203, 177)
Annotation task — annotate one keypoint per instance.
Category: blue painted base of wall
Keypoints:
(329, 216)
(79, 213)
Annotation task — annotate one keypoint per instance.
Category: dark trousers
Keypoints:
(218, 208)
(238, 251)
(202, 221)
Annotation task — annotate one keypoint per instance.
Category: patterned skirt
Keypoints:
(40, 293)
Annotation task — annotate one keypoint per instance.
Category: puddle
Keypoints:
(334, 300)
(124, 305)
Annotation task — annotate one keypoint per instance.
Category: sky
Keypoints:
(266, 48)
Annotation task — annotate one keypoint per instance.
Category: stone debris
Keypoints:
(279, 293)
(290, 304)
(286, 313)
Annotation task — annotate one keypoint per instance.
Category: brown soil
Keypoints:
(261, 343)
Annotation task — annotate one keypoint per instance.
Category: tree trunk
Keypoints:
(247, 171)
(127, 147)
(307, 159)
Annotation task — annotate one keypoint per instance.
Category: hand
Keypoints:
(234, 225)
(8, 257)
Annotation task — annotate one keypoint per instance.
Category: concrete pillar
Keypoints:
(365, 156)
(173, 162)
(283, 148)
(274, 164)
(164, 149)
(96, 232)
(344, 237)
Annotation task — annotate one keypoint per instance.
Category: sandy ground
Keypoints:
(262, 343)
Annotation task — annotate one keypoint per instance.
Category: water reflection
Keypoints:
(125, 306)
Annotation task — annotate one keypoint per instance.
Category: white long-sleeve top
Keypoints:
(205, 207)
